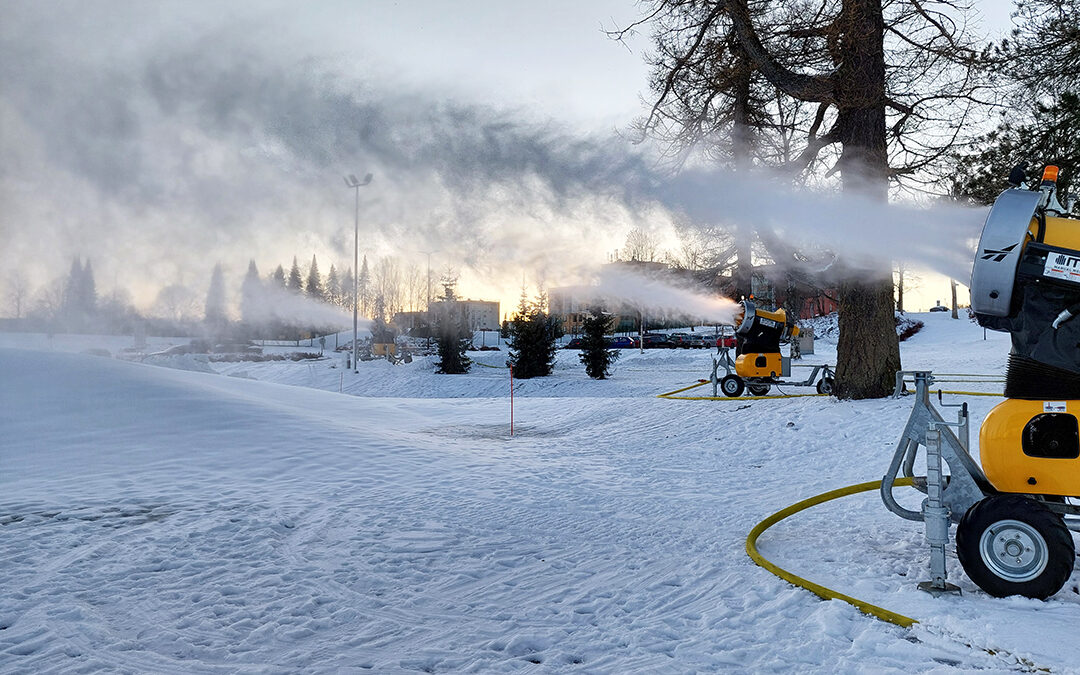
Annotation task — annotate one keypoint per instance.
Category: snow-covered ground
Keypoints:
(171, 520)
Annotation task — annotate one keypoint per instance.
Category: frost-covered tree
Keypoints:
(17, 291)
(640, 246)
(347, 290)
(80, 294)
(214, 311)
(88, 299)
(295, 282)
(314, 287)
(333, 286)
(178, 303)
(277, 277)
(363, 289)
(251, 292)
(449, 280)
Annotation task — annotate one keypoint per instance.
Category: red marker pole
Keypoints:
(511, 400)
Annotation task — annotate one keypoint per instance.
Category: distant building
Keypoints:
(407, 321)
(573, 304)
(480, 314)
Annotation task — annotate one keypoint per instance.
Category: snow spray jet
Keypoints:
(614, 288)
(179, 145)
(196, 145)
(865, 232)
(270, 303)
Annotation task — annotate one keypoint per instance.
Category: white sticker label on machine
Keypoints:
(1061, 266)
(1053, 406)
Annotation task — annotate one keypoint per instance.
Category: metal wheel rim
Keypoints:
(826, 387)
(1014, 550)
(730, 386)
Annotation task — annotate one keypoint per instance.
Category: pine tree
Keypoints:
(88, 290)
(449, 281)
(333, 286)
(72, 287)
(363, 288)
(594, 352)
(314, 288)
(295, 282)
(533, 333)
(250, 293)
(453, 339)
(277, 277)
(214, 312)
(347, 290)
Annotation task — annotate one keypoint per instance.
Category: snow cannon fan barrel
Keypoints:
(1026, 281)
(759, 333)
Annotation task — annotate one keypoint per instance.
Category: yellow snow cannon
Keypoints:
(758, 362)
(1013, 513)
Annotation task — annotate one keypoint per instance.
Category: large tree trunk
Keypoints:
(868, 352)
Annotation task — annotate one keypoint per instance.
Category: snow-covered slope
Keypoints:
(164, 520)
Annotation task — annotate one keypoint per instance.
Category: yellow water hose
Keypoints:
(817, 589)
(671, 395)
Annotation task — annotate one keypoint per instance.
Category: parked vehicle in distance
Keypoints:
(679, 339)
(727, 338)
(621, 342)
(697, 341)
(656, 341)
(690, 340)
(576, 343)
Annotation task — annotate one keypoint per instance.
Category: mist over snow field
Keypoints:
(166, 520)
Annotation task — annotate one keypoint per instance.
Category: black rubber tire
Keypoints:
(732, 385)
(825, 386)
(758, 389)
(995, 527)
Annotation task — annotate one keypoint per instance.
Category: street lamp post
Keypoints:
(352, 181)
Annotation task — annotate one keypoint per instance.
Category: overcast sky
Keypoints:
(158, 138)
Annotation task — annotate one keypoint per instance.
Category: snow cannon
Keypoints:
(758, 363)
(1013, 512)
(757, 342)
(1026, 281)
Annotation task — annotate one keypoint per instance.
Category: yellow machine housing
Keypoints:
(760, 365)
(383, 349)
(1061, 232)
(1032, 447)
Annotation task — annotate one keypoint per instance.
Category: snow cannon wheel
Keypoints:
(1013, 545)
(758, 389)
(825, 386)
(732, 385)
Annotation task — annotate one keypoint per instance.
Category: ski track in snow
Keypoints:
(162, 520)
